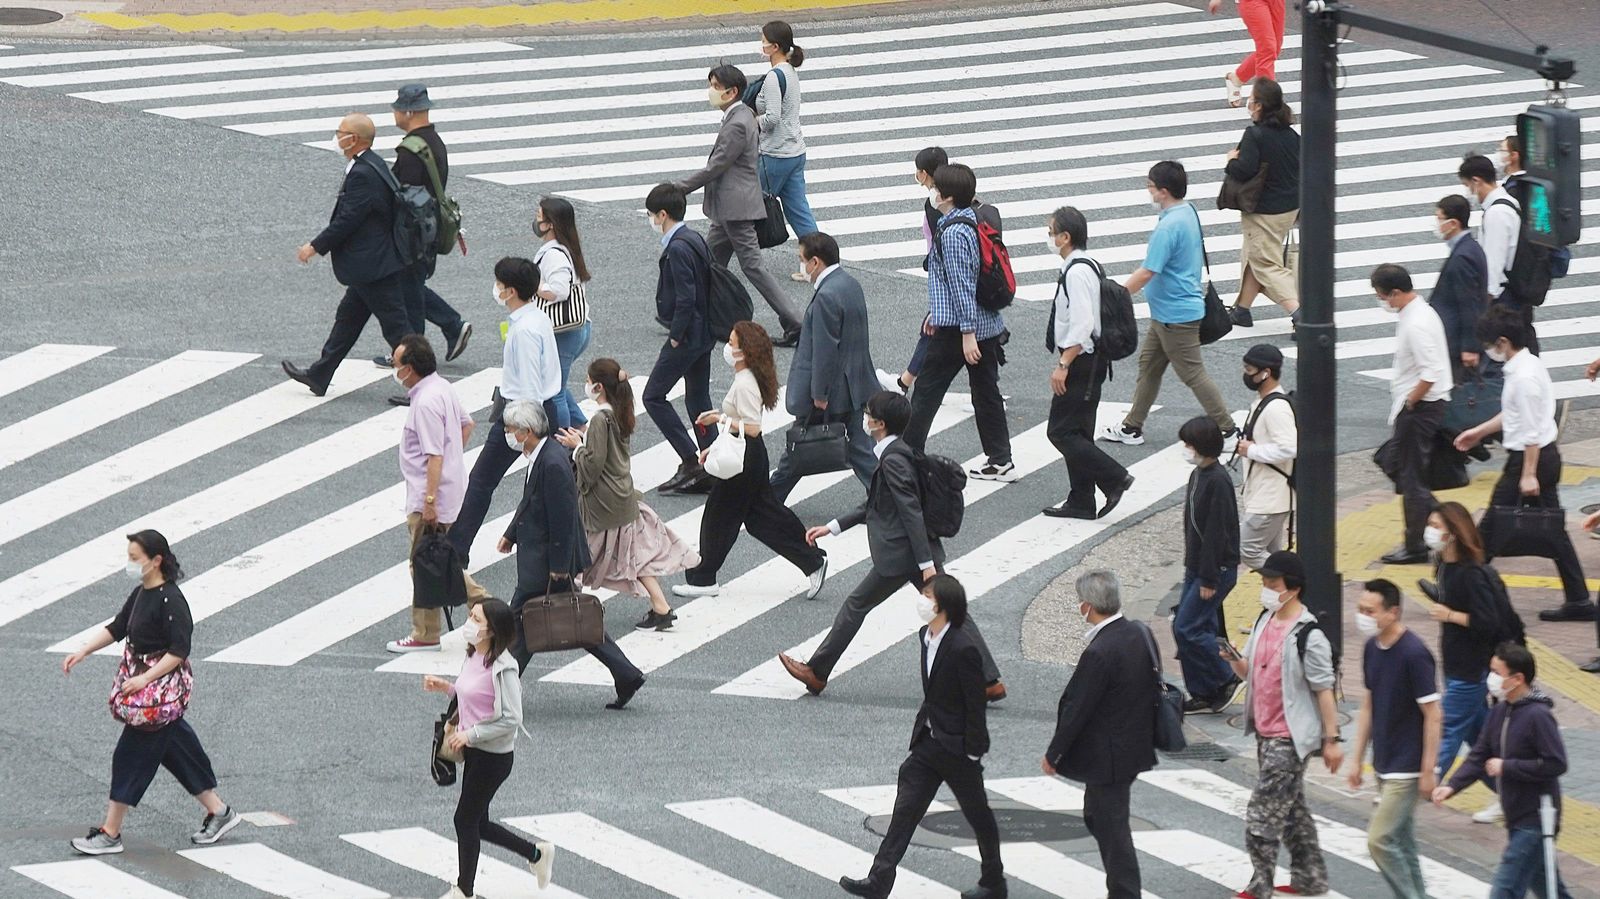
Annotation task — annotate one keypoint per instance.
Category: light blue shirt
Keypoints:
(1176, 294)
(530, 369)
(668, 236)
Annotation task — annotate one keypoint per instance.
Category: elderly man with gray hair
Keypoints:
(547, 532)
(1105, 724)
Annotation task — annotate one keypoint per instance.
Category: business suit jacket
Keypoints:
(1461, 295)
(733, 192)
(547, 528)
(1105, 722)
(683, 288)
(897, 535)
(954, 712)
(360, 233)
(833, 360)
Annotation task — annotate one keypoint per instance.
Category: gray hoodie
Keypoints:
(1300, 682)
(498, 734)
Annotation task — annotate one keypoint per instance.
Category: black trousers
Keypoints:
(693, 368)
(493, 462)
(141, 753)
(868, 595)
(747, 501)
(1105, 813)
(384, 299)
(923, 772)
(481, 776)
(1414, 432)
(1508, 492)
(424, 306)
(608, 653)
(1071, 432)
(944, 362)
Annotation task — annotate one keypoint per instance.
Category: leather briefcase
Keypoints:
(561, 621)
(817, 445)
(1524, 530)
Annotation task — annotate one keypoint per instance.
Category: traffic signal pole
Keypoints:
(1316, 369)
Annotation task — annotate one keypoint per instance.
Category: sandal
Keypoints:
(1232, 86)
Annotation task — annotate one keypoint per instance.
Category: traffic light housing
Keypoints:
(1551, 144)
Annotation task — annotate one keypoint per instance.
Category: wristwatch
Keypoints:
(429, 499)
(1334, 739)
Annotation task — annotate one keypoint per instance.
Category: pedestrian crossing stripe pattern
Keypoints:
(651, 850)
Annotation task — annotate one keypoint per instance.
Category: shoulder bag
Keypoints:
(770, 231)
(1242, 195)
(570, 313)
(1214, 323)
(160, 702)
(442, 760)
(1168, 702)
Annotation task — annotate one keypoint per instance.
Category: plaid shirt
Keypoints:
(953, 279)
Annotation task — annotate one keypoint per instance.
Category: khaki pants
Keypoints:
(1178, 345)
(1261, 535)
(1263, 254)
(427, 624)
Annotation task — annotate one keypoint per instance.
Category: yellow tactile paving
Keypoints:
(1580, 824)
(503, 16)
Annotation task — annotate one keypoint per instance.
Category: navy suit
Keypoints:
(360, 239)
(683, 299)
(548, 533)
(1461, 296)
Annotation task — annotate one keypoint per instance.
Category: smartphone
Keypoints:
(1228, 650)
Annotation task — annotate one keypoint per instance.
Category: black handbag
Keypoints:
(1475, 399)
(817, 445)
(441, 769)
(438, 579)
(1168, 705)
(1524, 530)
(771, 231)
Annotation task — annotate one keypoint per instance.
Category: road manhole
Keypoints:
(1018, 824)
(27, 15)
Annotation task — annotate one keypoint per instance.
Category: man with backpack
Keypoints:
(1521, 277)
(1268, 446)
(968, 331)
(683, 297)
(1076, 332)
(904, 548)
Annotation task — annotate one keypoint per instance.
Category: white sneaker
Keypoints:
(1230, 442)
(1122, 434)
(455, 893)
(818, 578)
(890, 382)
(690, 591)
(991, 472)
(541, 868)
(1494, 814)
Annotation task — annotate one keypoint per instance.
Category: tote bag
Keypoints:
(725, 456)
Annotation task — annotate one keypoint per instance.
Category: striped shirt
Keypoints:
(953, 279)
(778, 115)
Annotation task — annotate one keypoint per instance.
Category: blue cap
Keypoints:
(412, 98)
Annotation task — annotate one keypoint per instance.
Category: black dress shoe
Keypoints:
(982, 892)
(383, 361)
(624, 694)
(1572, 611)
(1114, 496)
(700, 483)
(860, 888)
(788, 340)
(686, 472)
(1428, 588)
(1065, 511)
(399, 400)
(296, 373)
(1592, 666)
(1403, 556)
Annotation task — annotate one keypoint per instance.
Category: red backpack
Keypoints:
(997, 283)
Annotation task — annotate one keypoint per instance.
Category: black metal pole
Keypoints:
(1316, 382)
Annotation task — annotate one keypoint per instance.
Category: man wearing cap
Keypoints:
(1268, 447)
(422, 303)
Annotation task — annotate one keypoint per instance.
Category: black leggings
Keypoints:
(481, 776)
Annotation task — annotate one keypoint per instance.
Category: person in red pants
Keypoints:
(1264, 20)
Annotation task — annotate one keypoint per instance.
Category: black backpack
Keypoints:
(416, 217)
(753, 89)
(1249, 430)
(729, 302)
(1510, 628)
(1303, 637)
(1119, 327)
(1528, 277)
(942, 481)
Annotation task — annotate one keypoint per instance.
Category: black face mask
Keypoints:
(1250, 382)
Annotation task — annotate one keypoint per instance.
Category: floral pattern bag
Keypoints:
(161, 702)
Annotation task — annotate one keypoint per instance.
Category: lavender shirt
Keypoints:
(433, 428)
(474, 693)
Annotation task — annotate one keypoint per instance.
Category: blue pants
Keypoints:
(786, 180)
(1522, 868)
(1465, 708)
(140, 753)
(863, 461)
(569, 346)
(692, 366)
(1194, 629)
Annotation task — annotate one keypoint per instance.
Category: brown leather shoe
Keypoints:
(802, 672)
(994, 692)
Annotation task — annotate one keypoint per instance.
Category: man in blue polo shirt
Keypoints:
(1400, 715)
(1174, 289)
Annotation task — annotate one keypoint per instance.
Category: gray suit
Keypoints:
(898, 540)
(733, 204)
(833, 362)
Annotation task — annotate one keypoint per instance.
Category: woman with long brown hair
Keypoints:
(631, 547)
(746, 499)
(563, 290)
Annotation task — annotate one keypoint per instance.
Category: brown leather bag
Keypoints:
(561, 621)
(1242, 195)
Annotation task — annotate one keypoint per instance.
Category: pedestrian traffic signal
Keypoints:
(1551, 157)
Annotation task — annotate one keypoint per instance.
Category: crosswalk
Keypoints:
(790, 846)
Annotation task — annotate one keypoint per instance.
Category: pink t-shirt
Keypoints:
(1266, 681)
(474, 692)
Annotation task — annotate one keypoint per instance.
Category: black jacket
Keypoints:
(1279, 147)
(897, 534)
(1533, 758)
(954, 711)
(1105, 722)
(1461, 295)
(1465, 651)
(1210, 523)
(408, 167)
(547, 528)
(360, 233)
(683, 289)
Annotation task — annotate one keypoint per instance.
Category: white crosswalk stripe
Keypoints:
(41, 362)
(270, 871)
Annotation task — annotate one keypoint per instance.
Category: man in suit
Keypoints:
(1461, 295)
(831, 373)
(1105, 725)
(549, 539)
(683, 297)
(733, 194)
(360, 236)
(948, 742)
(902, 551)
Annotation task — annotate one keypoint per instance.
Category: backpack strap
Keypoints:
(376, 162)
(783, 82)
(420, 148)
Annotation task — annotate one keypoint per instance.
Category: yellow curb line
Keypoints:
(1539, 582)
(506, 16)
(1580, 821)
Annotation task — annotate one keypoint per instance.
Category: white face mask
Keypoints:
(1387, 306)
(496, 290)
(1083, 611)
(1271, 600)
(714, 97)
(730, 355)
(933, 197)
(1190, 456)
(1366, 625)
(1155, 203)
(398, 379)
(513, 442)
(592, 390)
(472, 632)
(134, 570)
(1497, 686)
(925, 609)
(1438, 230)
(1495, 354)
(1433, 537)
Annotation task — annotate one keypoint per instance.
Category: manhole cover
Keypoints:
(1201, 752)
(1018, 824)
(24, 15)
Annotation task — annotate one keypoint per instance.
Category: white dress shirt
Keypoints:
(1527, 404)
(1498, 234)
(931, 642)
(1095, 631)
(1420, 354)
(1077, 307)
(530, 368)
(823, 276)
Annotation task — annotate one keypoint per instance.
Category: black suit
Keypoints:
(1105, 736)
(683, 297)
(360, 239)
(898, 539)
(550, 541)
(951, 730)
(1460, 296)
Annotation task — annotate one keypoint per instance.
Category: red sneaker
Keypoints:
(411, 644)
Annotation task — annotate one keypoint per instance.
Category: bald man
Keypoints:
(360, 237)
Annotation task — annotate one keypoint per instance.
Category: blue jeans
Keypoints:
(1194, 629)
(1465, 708)
(569, 346)
(1522, 868)
(786, 180)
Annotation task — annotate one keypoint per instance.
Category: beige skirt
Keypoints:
(645, 547)
(1263, 254)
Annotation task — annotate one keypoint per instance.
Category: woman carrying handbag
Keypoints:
(563, 291)
(150, 695)
(630, 546)
(488, 698)
(1264, 173)
(746, 499)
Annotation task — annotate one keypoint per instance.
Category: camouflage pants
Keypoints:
(1277, 814)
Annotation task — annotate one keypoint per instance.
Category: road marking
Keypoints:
(1049, 793)
(44, 361)
(1047, 869)
(876, 801)
(427, 852)
(78, 58)
(1384, 346)
(1212, 859)
(270, 871)
(92, 879)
